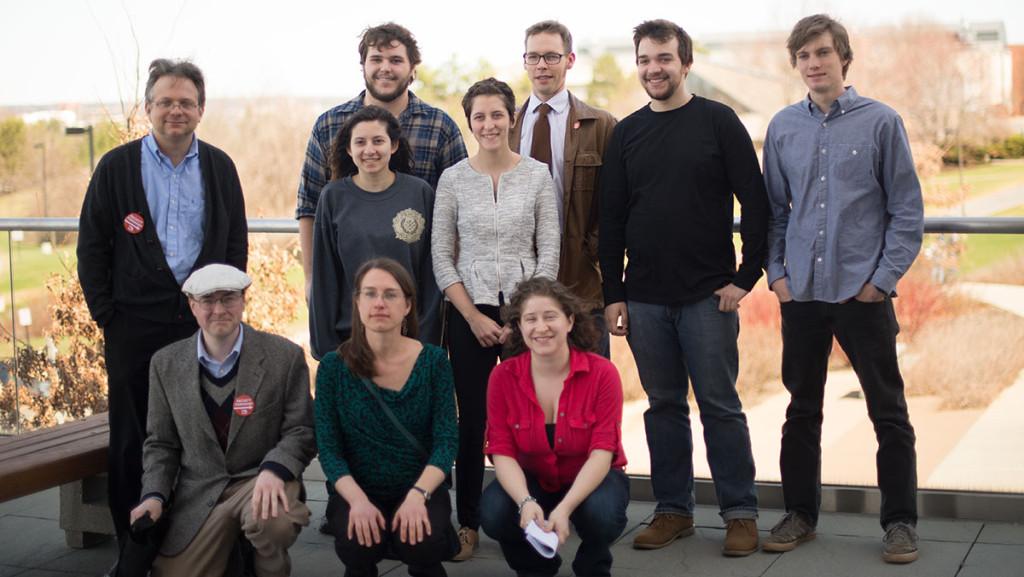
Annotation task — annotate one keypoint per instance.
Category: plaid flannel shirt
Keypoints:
(434, 137)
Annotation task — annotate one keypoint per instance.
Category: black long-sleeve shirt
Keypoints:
(667, 189)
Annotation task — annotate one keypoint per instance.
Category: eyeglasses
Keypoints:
(168, 104)
(533, 58)
(389, 295)
(227, 300)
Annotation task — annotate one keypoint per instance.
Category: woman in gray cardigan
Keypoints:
(495, 224)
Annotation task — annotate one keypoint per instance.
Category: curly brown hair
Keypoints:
(584, 333)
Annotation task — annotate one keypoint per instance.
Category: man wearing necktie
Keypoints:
(569, 136)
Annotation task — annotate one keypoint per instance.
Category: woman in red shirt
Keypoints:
(554, 416)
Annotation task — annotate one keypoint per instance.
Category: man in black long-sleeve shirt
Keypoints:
(667, 186)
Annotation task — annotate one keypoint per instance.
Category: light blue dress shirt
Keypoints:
(845, 198)
(217, 368)
(176, 203)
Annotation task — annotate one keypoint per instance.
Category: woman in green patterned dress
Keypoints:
(387, 433)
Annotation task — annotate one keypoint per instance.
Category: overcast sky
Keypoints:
(56, 51)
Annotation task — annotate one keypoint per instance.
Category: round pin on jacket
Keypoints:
(134, 223)
(244, 405)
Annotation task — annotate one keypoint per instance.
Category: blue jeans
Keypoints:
(599, 520)
(672, 346)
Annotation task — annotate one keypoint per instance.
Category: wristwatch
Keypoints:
(421, 491)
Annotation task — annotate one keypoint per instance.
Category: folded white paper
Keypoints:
(545, 543)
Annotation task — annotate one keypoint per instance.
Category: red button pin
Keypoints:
(134, 223)
(244, 405)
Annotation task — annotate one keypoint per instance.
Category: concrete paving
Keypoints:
(32, 545)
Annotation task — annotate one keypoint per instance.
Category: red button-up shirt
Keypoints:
(589, 417)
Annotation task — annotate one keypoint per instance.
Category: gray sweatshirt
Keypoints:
(502, 237)
(353, 226)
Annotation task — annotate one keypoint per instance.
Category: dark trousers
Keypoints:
(867, 334)
(129, 344)
(471, 367)
(599, 520)
(424, 559)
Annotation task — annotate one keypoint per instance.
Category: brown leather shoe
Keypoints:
(469, 540)
(663, 529)
(740, 537)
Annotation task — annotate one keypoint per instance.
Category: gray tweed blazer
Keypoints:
(181, 456)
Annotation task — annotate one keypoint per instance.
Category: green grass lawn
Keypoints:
(988, 249)
(31, 266)
(983, 179)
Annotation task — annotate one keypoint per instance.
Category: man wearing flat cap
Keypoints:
(230, 432)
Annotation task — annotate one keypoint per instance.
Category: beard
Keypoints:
(400, 88)
(666, 93)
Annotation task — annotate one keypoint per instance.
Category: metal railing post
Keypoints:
(14, 335)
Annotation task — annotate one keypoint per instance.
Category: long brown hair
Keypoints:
(339, 159)
(356, 351)
(584, 333)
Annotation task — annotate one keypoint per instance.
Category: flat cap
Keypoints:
(215, 277)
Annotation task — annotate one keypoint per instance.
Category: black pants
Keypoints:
(129, 344)
(424, 559)
(867, 333)
(471, 367)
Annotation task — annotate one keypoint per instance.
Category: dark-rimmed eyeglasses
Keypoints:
(168, 104)
(532, 58)
(226, 300)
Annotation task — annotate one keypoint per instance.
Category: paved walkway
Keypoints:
(32, 545)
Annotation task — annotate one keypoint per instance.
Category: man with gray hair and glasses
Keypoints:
(156, 209)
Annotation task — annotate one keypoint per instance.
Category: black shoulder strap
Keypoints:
(394, 420)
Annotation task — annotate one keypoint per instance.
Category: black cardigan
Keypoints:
(123, 272)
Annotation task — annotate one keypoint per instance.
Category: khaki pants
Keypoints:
(209, 551)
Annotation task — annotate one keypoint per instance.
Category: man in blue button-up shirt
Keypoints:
(156, 209)
(847, 222)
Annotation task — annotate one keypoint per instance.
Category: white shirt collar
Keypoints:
(559, 103)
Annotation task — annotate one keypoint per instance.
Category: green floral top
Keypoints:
(356, 438)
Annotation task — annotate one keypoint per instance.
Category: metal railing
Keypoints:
(839, 498)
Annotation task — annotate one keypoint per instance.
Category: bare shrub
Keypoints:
(68, 380)
(760, 362)
(271, 304)
(266, 139)
(955, 358)
(922, 300)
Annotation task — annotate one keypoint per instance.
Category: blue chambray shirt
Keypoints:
(219, 369)
(176, 203)
(434, 137)
(845, 198)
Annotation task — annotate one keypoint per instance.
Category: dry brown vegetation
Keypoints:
(967, 359)
(67, 379)
(1009, 270)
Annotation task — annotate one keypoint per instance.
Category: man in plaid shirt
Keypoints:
(389, 56)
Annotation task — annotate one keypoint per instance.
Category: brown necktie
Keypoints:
(540, 149)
